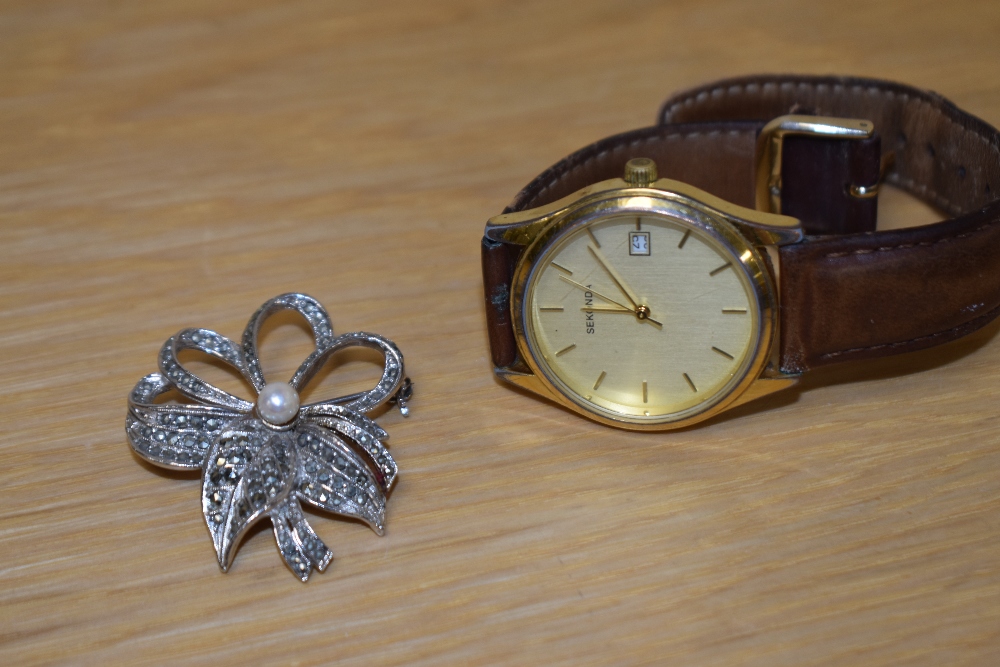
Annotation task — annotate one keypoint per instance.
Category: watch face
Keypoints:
(642, 317)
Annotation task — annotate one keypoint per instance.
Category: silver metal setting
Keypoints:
(330, 455)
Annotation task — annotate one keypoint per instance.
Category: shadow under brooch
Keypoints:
(264, 459)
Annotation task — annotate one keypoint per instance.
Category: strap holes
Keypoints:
(901, 139)
(930, 150)
(961, 172)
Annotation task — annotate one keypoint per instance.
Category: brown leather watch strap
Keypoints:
(719, 157)
(859, 296)
(847, 292)
(499, 259)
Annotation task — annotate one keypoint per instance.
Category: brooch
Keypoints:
(264, 458)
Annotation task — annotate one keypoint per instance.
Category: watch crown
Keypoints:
(640, 171)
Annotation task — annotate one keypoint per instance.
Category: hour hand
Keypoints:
(595, 293)
(607, 309)
(642, 312)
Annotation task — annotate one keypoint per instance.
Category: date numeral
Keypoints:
(638, 243)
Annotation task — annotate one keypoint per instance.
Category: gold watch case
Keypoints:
(742, 234)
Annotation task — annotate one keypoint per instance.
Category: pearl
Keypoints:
(278, 403)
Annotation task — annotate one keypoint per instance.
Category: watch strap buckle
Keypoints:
(770, 142)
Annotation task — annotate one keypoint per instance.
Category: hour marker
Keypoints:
(551, 309)
(562, 268)
(723, 353)
(565, 350)
(600, 379)
(593, 238)
(734, 311)
(690, 383)
(684, 239)
(638, 224)
(720, 269)
(645, 392)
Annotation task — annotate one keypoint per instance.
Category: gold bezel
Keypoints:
(680, 207)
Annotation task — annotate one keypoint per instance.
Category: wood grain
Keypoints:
(173, 164)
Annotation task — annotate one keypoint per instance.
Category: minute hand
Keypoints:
(615, 276)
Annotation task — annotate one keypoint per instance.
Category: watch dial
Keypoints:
(642, 317)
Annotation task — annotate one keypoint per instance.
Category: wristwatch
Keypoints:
(658, 277)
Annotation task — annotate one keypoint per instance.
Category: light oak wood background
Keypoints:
(174, 164)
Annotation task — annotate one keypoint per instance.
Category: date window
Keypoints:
(638, 243)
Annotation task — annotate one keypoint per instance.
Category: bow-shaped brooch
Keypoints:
(264, 459)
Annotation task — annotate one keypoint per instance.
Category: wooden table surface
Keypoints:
(175, 164)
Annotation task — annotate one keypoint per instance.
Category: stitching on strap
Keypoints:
(906, 246)
(987, 316)
(690, 134)
(786, 86)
